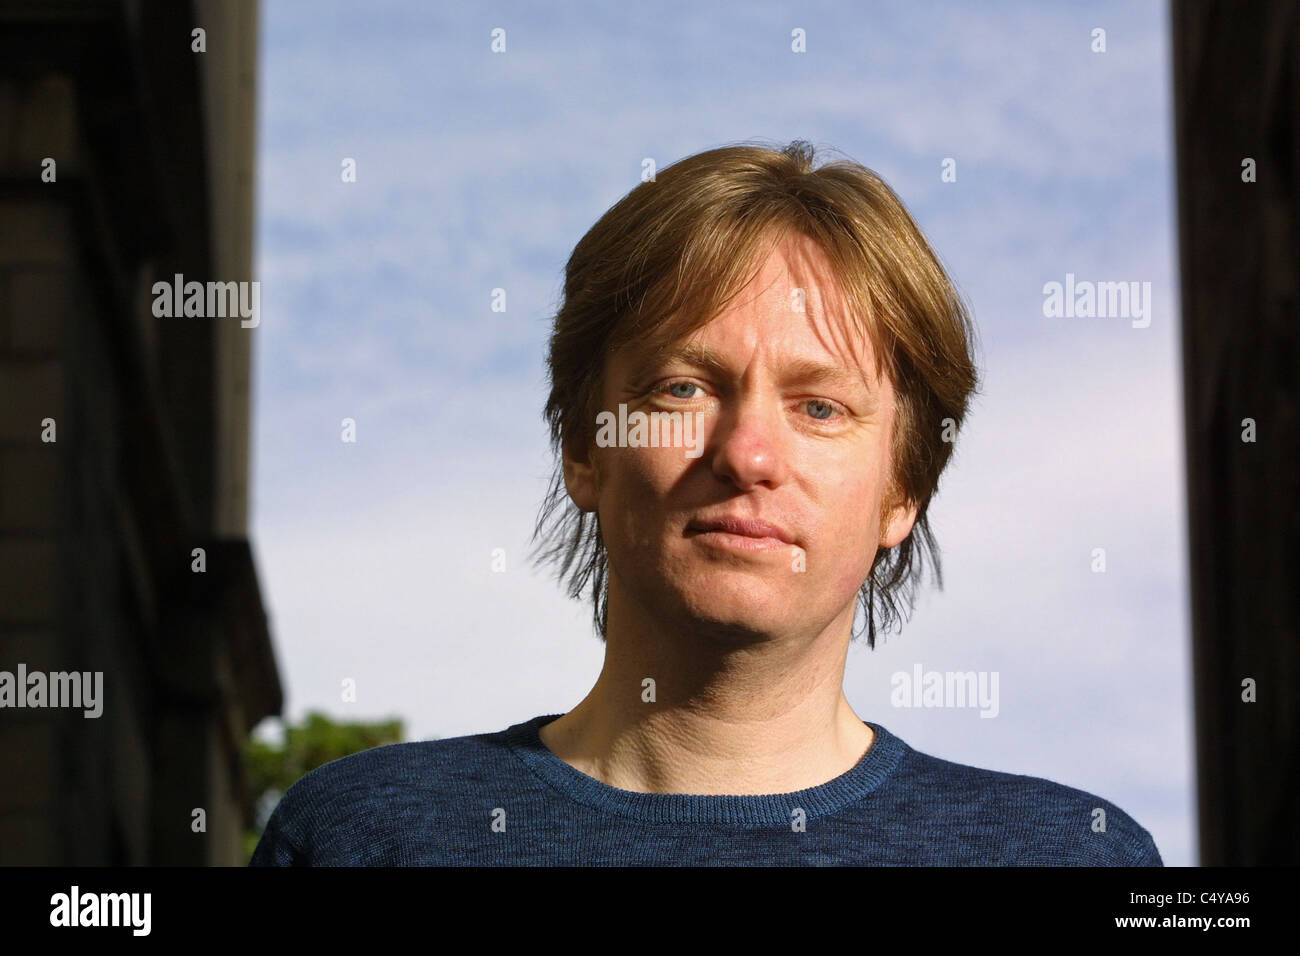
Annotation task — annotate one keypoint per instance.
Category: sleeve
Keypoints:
(1146, 853)
(275, 847)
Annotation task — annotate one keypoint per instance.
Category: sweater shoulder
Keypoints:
(348, 810)
(400, 765)
(1030, 820)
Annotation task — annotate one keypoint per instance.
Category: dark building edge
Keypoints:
(154, 149)
(1236, 96)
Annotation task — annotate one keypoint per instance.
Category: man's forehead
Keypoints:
(794, 279)
(844, 357)
(813, 369)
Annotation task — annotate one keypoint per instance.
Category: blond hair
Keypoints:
(667, 258)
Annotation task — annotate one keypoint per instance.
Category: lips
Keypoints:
(747, 527)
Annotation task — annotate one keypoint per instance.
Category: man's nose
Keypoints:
(749, 445)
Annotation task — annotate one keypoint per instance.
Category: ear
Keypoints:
(896, 521)
(581, 478)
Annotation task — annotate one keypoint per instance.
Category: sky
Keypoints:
(479, 170)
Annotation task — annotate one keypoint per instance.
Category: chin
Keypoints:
(739, 610)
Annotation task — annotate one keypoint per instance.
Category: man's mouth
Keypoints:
(740, 533)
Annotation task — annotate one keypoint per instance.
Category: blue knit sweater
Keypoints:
(504, 799)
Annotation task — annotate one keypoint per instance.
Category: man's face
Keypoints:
(794, 431)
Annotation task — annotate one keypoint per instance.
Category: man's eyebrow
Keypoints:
(802, 370)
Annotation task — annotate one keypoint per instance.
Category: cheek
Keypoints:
(852, 531)
(853, 563)
(637, 476)
(635, 485)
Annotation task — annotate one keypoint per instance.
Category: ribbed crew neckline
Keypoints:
(768, 809)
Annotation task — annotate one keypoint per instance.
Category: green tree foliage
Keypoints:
(271, 768)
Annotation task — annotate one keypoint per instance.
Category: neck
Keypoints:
(723, 715)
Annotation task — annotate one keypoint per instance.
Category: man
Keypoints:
(757, 372)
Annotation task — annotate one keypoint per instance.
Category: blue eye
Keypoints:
(825, 411)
